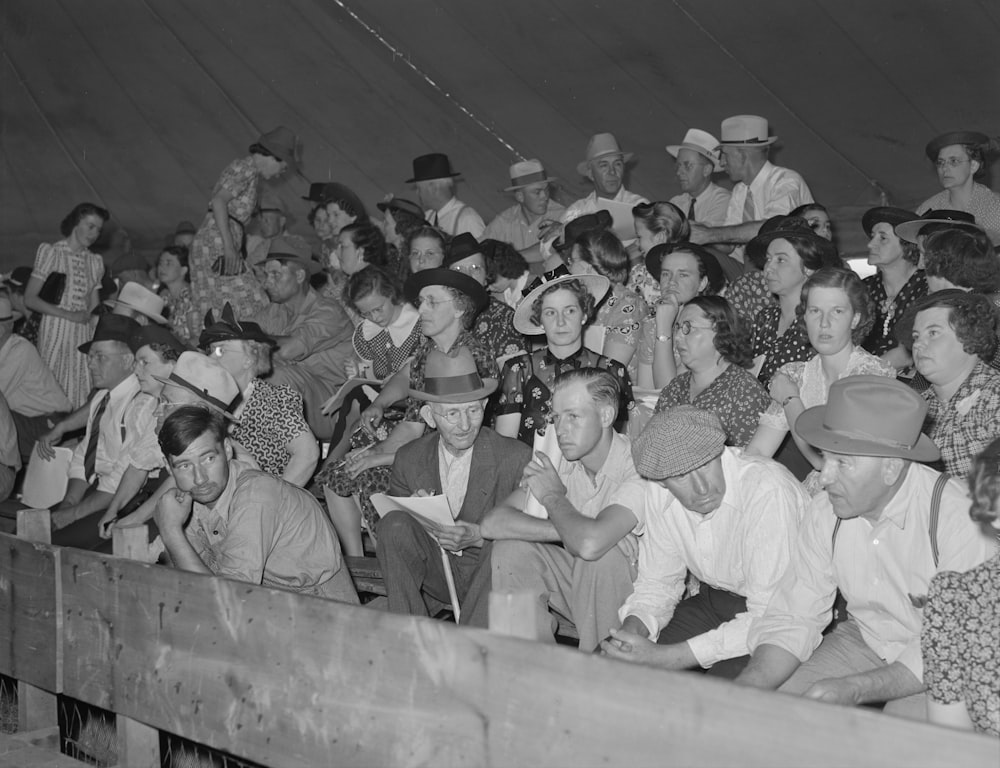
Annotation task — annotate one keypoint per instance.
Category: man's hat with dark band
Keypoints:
(112, 328)
(212, 383)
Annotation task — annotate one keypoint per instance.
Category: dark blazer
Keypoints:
(497, 463)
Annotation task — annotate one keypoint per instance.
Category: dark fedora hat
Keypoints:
(228, 328)
(581, 225)
(794, 227)
(293, 249)
(713, 271)
(401, 205)
(430, 167)
(156, 334)
(935, 145)
(18, 277)
(885, 214)
(756, 249)
(447, 277)
(462, 246)
(282, 143)
(317, 191)
(912, 229)
(112, 328)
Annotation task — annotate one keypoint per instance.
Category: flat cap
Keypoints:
(677, 441)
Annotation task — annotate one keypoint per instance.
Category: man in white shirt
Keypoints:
(701, 199)
(435, 184)
(882, 529)
(729, 519)
(580, 558)
(605, 167)
(761, 190)
(525, 224)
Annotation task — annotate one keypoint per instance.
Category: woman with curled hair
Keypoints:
(961, 157)
(837, 314)
(713, 344)
(560, 309)
(359, 245)
(66, 312)
(659, 223)
(174, 277)
(622, 311)
(425, 249)
(960, 636)
(957, 258)
(817, 217)
(953, 334)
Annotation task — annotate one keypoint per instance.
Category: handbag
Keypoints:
(53, 288)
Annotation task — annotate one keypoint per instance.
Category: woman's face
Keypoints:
(696, 349)
(88, 229)
(147, 366)
(271, 167)
(438, 311)
(679, 276)
(338, 217)
(819, 222)
(425, 253)
(169, 269)
(352, 258)
(830, 319)
(646, 238)
(377, 308)
(783, 269)
(884, 248)
(937, 352)
(231, 355)
(321, 224)
(474, 266)
(954, 167)
(561, 318)
(577, 266)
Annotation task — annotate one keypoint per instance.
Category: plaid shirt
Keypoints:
(968, 422)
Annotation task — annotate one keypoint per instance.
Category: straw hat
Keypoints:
(596, 285)
(702, 142)
(203, 376)
(601, 145)
(140, 299)
(526, 173)
(746, 131)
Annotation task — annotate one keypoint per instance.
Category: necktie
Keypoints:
(691, 211)
(749, 212)
(434, 221)
(90, 457)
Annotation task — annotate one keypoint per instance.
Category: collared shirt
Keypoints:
(454, 473)
(128, 420)
(27, 382)
(968, 422)
(617, 482)
(320, 334)
(984, 205)
(776, 191)
(456, 217)
(265, 531)
(512, 226)
(592, 203)
(710, 207)
(882, 569)
(742, 547)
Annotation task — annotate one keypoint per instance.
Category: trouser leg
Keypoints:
(702, 613)
(598, 589)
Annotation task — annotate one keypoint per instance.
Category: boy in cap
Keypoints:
(729, 519)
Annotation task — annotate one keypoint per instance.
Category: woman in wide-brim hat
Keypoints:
(560, 309)
(218, 269)
(447, 302)
(960, 158)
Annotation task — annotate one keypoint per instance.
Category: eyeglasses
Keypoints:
(102, 357)
(686, 327)
(469, 269)
(454, 415)
(950, 162)
(426, 301)
(218, 350)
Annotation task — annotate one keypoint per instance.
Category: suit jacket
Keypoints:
(497, 463)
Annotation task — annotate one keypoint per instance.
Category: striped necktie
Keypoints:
(749, 212)
(90, 457)
(691, 212)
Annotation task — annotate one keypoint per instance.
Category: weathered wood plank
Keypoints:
(295, 681)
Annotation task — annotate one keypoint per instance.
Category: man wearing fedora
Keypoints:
(140, 303)
(728, 519)
(10, 457)
(225, 517)
(604, 165)
(884, 526)
(526, 224)
(313, 333)
(435, 184)
(761, 190)
(474, 467)
(268, 222)
(580, 559)
(701, 199)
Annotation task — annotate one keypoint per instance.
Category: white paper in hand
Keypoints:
(434, 509)
(549, 445)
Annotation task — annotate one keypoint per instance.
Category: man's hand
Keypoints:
(835, 690)
(628, 646)
(107, 522)
(371, 417)
(542, 479)
(47, 442)
(459, 536)
(172, 511)
(699, 234)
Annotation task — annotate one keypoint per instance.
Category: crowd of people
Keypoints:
(701, 440)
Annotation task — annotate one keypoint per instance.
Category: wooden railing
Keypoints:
(287, 680)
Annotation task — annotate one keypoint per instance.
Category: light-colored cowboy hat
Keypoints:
(596, 285)
(601, 145)
(140, 299)
(702, 142)
(525, 173)
(746, 131)
(203, 376)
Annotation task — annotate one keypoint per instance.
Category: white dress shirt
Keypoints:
(710, 207)
(776, 191)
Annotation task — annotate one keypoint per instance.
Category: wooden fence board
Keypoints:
(295, 681)
(30, 619)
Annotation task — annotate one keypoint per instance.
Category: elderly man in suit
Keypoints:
(470, 464)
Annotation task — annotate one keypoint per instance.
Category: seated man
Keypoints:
(474, 467)
(580, 560)
(525, 224)
(729, 519)
(230, 520)
(313, 333)
(10, 459)
(882, 529)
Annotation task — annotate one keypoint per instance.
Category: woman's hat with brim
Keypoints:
(885, 214)
(581, 225)
(292, 249)
(282, 143)
(396, 205)
(447, 277)
(228, 328)
(756, 249)
(203, 376)
(112, 328)
(139, 298)
(430, 167)
(910, 230)
(155, 334)
(452, 377)
(596, 285)
(869, 416)
(794, 227)
(935, 145)
(713, 271)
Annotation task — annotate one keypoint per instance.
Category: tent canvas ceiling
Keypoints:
(139, 104)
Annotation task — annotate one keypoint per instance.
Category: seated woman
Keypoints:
(425, 248)
(960, 157)
(963, 259)
(509, 271)
(961, 625)
(817, 217)
(560, 309)
(359, 245)
(447, 302)
(837, 312)
(622, 311)
(713, 344)
(655, 224)
(953, 334)
(683, 271)
(175, 289)
(269, 419)
(399, 218)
